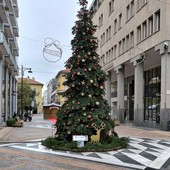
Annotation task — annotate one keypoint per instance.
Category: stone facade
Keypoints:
(134, 48)
(8, 58)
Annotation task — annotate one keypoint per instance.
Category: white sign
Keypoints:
(80, 138)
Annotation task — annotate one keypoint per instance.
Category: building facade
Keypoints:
(8, 58)
(51, 91)
(37, 87)
(60, 88)
(134, 48)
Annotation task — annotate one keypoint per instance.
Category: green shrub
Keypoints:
(10, 122)
(112, 143)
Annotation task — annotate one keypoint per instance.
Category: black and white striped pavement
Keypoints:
(140, 154)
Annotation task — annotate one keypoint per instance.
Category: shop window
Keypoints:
(152, 94)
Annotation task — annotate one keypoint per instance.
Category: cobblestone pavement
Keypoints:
(148, 149)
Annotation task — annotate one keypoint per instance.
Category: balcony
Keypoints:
(16, 31)
(4, 48)
(13, 43)
(8, 31)
(15, 52)
(11, 62)
(9, 5)
(13, 19)
(15, 7)
(60, 92)
(3, 13)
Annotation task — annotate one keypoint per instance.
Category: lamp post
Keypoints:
(22, 77)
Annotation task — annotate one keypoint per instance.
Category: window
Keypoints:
(100, 1)
(150, 26)
(101, 20)
(102, 39)
(138, 33)
(144, 33)
(107, 57)
(144, 2)
(141, 3)
(120, 47)
(130, 10)
(111, 6)
(103, 59)
(120, 21)
(127, 42)
(157, 21)
(152, 94)
(115, 26)
(108, 33)
(115, 48)
(111, 55)
(132, 39)
(123, 45)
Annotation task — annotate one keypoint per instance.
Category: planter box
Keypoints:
(18, 123)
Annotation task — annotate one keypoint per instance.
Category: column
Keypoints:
(0, 91)
(10, 96)
(164, 50)
(6, 93)
(120, 92)
(14, 96)
(139, 90)
(108, 89)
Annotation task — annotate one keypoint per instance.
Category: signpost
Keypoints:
(80, 140)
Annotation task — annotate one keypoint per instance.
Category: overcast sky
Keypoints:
(38, 20)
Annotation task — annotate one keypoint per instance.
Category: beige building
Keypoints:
(8, 58)
(134, 48)
(60, 88)
(37, 87)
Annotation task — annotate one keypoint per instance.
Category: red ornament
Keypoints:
(89, 116)
(78, 102)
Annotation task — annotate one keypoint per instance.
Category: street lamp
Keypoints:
(22, 76)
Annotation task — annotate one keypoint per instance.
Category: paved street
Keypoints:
(148, 149)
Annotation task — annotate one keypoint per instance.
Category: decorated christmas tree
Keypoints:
(85, 110)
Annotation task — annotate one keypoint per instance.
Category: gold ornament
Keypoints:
(96, 138)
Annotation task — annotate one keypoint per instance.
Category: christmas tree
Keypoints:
(85, 107)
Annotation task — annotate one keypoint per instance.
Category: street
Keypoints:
(14, 159)
(21, 149)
